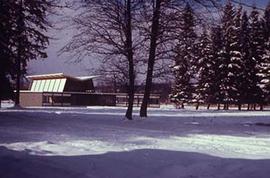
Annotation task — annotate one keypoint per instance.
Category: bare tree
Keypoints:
(164, 25)
(105, 28)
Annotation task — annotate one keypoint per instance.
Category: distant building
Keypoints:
(63, 90)
(61, 83)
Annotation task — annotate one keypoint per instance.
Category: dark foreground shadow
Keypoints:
(134, 164)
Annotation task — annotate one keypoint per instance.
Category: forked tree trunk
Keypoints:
(130, 62)
(151, 59)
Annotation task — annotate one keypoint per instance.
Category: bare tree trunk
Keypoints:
(208, 106)
(261, 107)
(197, 106)
(151, 59)
(239, 107)
(18, 62)
(224, 107)
(130, 61)
(218, 106)
(182, 105)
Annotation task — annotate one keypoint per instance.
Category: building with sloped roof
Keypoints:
(61, 83)
(62, 90)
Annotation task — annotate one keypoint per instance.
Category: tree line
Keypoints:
(228, 63)
(225, 65)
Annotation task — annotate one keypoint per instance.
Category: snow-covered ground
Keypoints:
(96, 142)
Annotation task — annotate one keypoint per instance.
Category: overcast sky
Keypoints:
(55, 63)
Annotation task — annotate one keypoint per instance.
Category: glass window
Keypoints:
(37, 86)
(47, 84)
(56, 85)
(62, 85)
(41, 87)
(34, 83)
(51, 85)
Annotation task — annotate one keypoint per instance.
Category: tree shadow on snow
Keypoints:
(145, 163)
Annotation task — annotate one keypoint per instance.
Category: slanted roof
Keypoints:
(59, 75)
(53, 82)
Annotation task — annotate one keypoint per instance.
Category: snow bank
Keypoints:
(215, 145)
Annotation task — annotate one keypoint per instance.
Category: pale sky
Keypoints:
(56, 64)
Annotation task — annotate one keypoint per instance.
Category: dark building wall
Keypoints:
(93, 100)
(78, 86)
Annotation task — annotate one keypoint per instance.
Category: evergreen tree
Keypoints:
(235, 67)
(226, 88)
(265, 69)
(185, 59)
(257, 49)
(205, 70)
(249, 65)
(217, 44)
(27, 39)
(6, 58)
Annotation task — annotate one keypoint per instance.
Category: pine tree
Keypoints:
(249, 65)
(6, 58)
(265, 69)
(217, 44)
(204, 69)
(235, 67)
(257, 49)
(226, 88)
(29, 21)
(185, 59)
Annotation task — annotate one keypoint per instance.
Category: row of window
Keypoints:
(49, 85)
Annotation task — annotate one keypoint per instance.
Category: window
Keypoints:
(37, 86)
(51, 85)
(34, 84)
(62, 85)
(56, 85)
(41, 87)
(47, 84)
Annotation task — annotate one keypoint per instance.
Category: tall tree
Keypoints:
(257, 43)
(6, 58)
(226, 68)
(265, 66)
(29, 20)
(249, 65)
(217, 44)
(155, 28)
(161, 26)
(236, 59)
(105, 28)
(185, 59)
(205, 66)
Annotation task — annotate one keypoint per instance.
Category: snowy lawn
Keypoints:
(97, 142)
